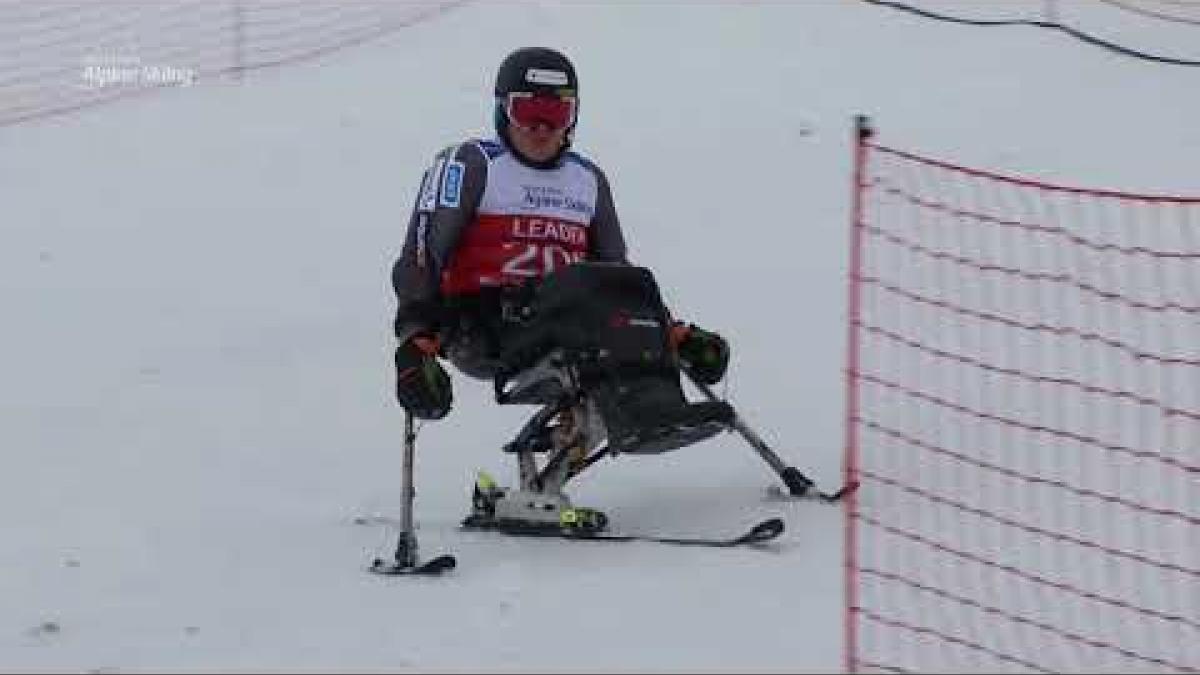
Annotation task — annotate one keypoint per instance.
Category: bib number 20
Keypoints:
(538, 260)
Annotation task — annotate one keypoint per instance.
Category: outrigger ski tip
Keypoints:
(812, 494)
(431, 567)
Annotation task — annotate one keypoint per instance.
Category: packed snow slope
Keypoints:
(196, 393)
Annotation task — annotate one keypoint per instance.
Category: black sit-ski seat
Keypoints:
(598, 334)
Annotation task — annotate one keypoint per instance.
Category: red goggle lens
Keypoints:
(528, 110)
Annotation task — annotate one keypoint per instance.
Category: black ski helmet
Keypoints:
(536, 70)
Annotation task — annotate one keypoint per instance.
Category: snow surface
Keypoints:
(195, 396)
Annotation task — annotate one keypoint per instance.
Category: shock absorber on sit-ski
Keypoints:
(569, 447)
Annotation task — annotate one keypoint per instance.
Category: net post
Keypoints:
(863, 132)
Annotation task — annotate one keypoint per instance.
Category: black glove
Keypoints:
(422, 384)
(705, 354)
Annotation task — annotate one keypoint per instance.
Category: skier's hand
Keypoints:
(704, 353)
(422, 385)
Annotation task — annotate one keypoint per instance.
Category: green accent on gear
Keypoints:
(582, 518)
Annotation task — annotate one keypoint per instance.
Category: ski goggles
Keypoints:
(528, 110)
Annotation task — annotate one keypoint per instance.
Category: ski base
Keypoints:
(431, 567)
(762, 532)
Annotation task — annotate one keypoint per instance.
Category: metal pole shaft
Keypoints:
(760, 446)
(406, 547)
(407, 492)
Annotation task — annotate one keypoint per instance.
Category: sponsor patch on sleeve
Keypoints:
(452, 180)
(429, 187)
(422, 235)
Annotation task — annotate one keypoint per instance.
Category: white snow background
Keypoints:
(195, 375)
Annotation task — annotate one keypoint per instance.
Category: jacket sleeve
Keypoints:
(607, 242)
(446, 204)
